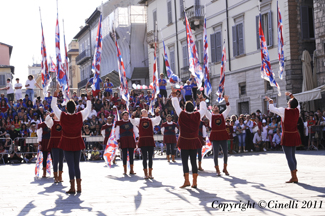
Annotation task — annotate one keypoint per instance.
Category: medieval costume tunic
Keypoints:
(146, 141)
(290, 135)
(71, 141)
(188, 141)
(219, 137)
(169, 130)
(106, 133)
(57, 153)
(126, 134)
(43, 137)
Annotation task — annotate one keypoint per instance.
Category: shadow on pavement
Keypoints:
(27, 208)
(53, 188)
(313, 188)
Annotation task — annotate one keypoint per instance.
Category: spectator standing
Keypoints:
(108, 86)
(188, 91)
(241, 132)
(96, 87)
(18, 87)
(30, 85)
(162, 87)
(194, 86)
(10, 90)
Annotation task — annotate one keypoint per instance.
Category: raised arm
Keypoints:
(55, 107)
(135, 121)
(176, 106)
(204, 131)
(85, 113)
(39, 134)
(203, 106)
(157, 119)
(228, 108)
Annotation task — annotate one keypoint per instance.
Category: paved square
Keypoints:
(254, 178)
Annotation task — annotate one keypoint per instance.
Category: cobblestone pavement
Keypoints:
(254, 179)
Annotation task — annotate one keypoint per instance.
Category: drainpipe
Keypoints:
(178, 65)
(229, 60)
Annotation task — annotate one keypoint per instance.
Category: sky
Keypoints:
(20, 27)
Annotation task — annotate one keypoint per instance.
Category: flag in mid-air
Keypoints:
(66, 67)
(207, 147)
(221, 88)
(207, 84)
(124, 91)
(266, 70)
(194, 63)
(172, 78)
(49, 163)
(280, 44)
(111, 145)
(39, 163)
(52, 66)
(46, 77)
(97, 55)
(155, 90)
(60, 70)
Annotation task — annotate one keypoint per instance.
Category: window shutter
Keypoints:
(181, 8)
(158, 65)
(218, 47)
(304, 22)
(270, 42)
(234, 40)
(169, 8)
(240, 33)
(172, 60)
(213, 47)
(257, 32)
(185, 56)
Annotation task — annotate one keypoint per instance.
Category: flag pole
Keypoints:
(40, 15)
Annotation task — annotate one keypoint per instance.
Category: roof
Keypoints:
(83, 30)
(12, 68)
(93, 16)
(140, 73)
(113, 78)
(10, 48)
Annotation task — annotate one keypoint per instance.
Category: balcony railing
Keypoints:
(82, 57)
(195, 16)
(151, 38)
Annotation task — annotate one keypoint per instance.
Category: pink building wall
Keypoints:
(4, 55)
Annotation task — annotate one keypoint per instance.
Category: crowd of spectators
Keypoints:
(249, 132)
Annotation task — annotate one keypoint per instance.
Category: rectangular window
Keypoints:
(2, 80)
(243, 108)
(185, 56)
(216, 47)
(169, 12)
(172, 59)
(181, 6)
(307, 22)
(238, 39)
(267, 86)
(267, 26)
(242, 89)
(199, 49)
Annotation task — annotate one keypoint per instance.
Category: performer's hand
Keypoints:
(287, 93)
(269, 99)
(52, 115)
(226, 97)
(200, 96)
(134, 113)
(173, 92)
(88, 94)
(157, 110)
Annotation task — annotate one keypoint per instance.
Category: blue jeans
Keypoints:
(30, 93)
(241, 139)
(73, 159)
(290, 152)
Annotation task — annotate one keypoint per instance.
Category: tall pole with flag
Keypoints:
(193, 58)
(280, 43)
(155, 90)
(46, 77)
(66, 64)
(124, 91)
(266, 70)
(97, 55)
(221, 88)
(60, 70)
(207, 84)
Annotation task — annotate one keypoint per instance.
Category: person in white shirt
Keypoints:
(10, 91)
(258, 141)
(30, 85)
(92, 112)
(18, 87)
(264, 132)
(277, 139)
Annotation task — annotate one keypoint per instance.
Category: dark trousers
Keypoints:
(125, 155)
(73, 159)
(290, 152)
(216, 147)
(57, 159)
(194, 93)
(11, 97)
(185, 153)
(199, 154)
(45, 153)
(249, 140)
(171, 148)
(147, 152)
(188, 97)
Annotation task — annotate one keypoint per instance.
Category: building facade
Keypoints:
(6, 70)
(74, 71)
(235, 23)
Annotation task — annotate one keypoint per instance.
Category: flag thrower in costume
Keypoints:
(266, 70)
(280, 44)
(221, 88)
(194, 63)
(46, 77)
(207, 84)
(97, 55)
